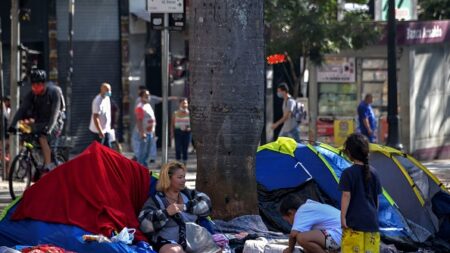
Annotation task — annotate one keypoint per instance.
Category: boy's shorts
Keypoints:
(330, 243)
(360, 242)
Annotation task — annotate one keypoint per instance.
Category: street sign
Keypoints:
(165, 6)
(176, 21)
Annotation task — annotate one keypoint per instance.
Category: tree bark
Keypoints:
(227, 100)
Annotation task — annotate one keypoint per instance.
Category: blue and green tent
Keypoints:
(284, 167)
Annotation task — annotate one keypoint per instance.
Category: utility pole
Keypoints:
(70, 68)
(14, 72)
(2, 116)
(165, 87)
(394, 131)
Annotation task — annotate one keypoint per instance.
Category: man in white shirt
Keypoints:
(316, 227)
(100, 124)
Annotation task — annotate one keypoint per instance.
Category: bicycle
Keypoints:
(26, 166)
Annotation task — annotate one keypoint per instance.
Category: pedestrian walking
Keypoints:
(100, 124)
(145, 127)
(181, 130)
(360, 188)
(291, 127)
(153, 100)
(366, 118)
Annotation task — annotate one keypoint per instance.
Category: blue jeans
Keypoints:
(182, 140)
(106, 141)
(143, 149)
(294, 134)
(153, 150)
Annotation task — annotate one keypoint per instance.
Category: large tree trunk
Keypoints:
(227, 92)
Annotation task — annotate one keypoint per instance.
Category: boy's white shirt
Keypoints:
(313, 215)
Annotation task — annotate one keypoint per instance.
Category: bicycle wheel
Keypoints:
(19, 176)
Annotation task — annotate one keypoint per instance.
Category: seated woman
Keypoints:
(164, 215)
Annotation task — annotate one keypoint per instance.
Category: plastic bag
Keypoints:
(126, 236)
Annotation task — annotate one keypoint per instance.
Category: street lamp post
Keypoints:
(71, 13)
(2, 122)
(14, 72)
(393, 132)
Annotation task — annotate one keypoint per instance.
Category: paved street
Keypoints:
(440, 168)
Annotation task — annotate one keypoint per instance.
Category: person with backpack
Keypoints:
(44, 104)
(360, 188)
(291, 127)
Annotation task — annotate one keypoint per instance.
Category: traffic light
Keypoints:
(24, 65)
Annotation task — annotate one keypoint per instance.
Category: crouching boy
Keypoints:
(316, 227)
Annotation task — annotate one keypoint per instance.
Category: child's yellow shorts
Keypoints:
(360, 242)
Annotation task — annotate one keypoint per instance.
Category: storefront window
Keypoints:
(337, 99)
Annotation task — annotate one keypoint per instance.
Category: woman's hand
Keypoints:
(174, 208)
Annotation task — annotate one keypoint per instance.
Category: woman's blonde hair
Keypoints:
(166, 172)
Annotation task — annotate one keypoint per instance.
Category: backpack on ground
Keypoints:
(299, 112)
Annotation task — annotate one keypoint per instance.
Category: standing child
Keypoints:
(360, 188)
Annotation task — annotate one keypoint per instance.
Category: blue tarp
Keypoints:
(32, 232)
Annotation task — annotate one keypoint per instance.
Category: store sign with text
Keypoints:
(165, 6)
(423, 32)
(337, 70)
(404, 9)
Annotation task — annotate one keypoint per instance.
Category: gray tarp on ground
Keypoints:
(251, 224)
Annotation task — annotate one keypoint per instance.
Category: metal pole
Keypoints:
(2, 116)
(14, 72)
(70, 68)
(393, 132)
(165, 86)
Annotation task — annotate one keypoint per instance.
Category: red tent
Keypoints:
(100, 191)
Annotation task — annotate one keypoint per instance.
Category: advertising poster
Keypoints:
(342, 129)
(325, 130)
(337, 70)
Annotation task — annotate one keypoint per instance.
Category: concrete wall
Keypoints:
(430, 102)
(97, 59)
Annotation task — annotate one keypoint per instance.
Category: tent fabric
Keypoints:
(411, 185)
(441, 207)
(69, 237)
(277, 170)
(283, 145)
(100, 191)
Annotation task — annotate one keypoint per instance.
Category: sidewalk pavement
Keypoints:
(441, 169)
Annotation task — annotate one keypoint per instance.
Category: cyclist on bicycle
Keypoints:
(45, 104)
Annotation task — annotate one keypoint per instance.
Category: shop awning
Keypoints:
(142, 14)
